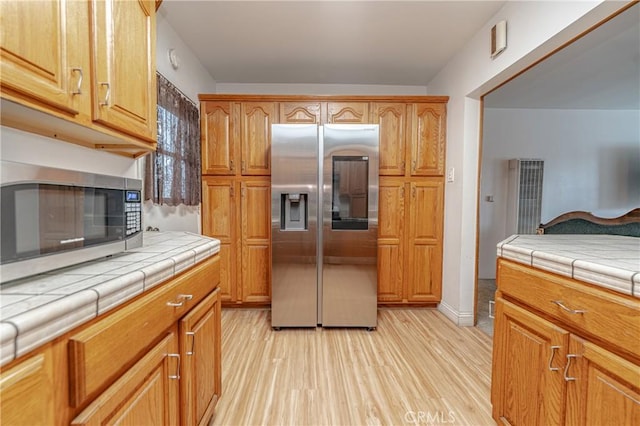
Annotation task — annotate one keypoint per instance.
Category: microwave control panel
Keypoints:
(133, 212)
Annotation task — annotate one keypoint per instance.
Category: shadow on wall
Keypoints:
(623, 186)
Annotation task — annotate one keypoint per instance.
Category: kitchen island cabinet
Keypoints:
(148, 358)
(83, 72)
(236, 130)
(566, 351)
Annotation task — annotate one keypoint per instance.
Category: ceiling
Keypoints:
(398, 43)
(601, 70)
(327, 42)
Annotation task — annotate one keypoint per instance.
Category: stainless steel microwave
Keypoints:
(53, 218)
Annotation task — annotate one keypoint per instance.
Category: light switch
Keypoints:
(451, 174)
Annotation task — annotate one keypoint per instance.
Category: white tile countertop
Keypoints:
(36, 310)
(609, 261)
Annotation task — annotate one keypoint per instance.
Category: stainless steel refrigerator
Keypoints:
(324, 186)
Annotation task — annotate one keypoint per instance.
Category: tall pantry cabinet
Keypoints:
(236, 200)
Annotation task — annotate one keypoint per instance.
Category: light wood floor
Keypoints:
(416, 368)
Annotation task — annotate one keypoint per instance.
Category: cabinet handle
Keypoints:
(403, 165)
(560, 303)
(177, 375)
(193, 341)
(413, 192)
(553, 353)
(231, 165)
(492, 309)
(107, 95)
(242, 165)
(566, 368)
(231, 192)
(78, 90)
(180, 299)
(243, 192)
(413, 165)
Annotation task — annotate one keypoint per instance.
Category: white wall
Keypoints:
(535, 29)
(591, 163)
(319, 89)
(191, 78)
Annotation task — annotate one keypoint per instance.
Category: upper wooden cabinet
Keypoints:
(81, 71)
(300, 112)
(428, 139)
(218, 122)
(48, 60)
(392, 119)
(124, 71)
(256, 119)
(348, 112)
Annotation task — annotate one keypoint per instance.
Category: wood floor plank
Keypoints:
(415, 368)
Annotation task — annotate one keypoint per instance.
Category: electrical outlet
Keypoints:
(451, 174)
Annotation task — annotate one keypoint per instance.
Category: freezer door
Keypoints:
(350, 225)
(294, 200)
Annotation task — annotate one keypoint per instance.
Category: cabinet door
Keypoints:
(43, 52)
(392, 119)
(348, 112)
(200, 381)
(147, 393)
(425, 241)
(528, 359)
(428, 140)
(256, 246)
(220, 213)
(218, 123)
(257, 118)
(27, 392)
(300, 112)
(391, 219)
(124, 66)
(602, 388)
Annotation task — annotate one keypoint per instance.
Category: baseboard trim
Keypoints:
(464, 319)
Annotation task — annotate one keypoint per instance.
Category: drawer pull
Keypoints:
(180, 300)
(553, 352)
(193, 341)
(566, 368)
(564, 308)
(177, 375)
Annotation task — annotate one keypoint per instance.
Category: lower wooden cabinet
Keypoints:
(26, 392)
(146, 394)
(237, 211)
(200, 345)
(555, 369)
(155, 360)
(529, 353)
(410, 240)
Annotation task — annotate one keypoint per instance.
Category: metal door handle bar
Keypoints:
(567, 378)
(553, 352)
(193, 341)
(78, 90)
(177, 375)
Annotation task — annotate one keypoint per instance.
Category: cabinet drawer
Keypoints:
(612, 318)
(101, 352)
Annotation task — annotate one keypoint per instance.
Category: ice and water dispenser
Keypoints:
(294, 212)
